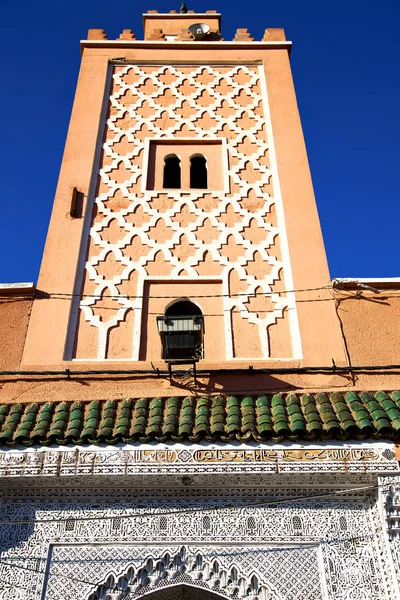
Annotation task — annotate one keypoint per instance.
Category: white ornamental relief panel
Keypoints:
(391, 511)
(89, 544)
(242, 572)
(236, 236)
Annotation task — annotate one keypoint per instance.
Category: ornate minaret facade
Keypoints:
(186, 163)
(185, 229)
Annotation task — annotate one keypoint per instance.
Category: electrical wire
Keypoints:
(333, 285)
(9, 586)
(331, 493)
(43, 295)
(69, 577)
(115, 587)
(155, 372)
(146, 297)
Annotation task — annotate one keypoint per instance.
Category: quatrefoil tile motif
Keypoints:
(193, 233)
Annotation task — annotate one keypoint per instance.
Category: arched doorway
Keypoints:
(183, 591)
(183, 575)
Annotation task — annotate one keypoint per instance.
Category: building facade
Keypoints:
(188, 405)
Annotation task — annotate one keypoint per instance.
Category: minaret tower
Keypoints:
(184, 191)
(185, 232)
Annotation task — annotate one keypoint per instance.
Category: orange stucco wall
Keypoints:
(370, 325)
(307, 255)
(14, 317)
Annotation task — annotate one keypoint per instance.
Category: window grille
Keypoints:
(297, 524)
(69, 525)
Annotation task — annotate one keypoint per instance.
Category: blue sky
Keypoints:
(345, 67)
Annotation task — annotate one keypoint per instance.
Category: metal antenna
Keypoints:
(183, 8)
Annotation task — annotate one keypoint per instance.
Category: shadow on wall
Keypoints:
(226, 383)
(13, 531)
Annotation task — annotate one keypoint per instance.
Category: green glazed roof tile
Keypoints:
(75, 423)
(91, 422)
(43, 423)
(60, 422)
(171, 417)
(123, 420)
(11, 423)
(312, 418)
(27, 422)
(218, 417)
(265, 427)
(321, 416)
(202, 418)
(249, 418)
(154, 426)
(395, 396)
(186, 422)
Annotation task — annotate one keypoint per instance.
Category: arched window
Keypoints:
(181, 330)
(172, 172)
(206, 523)
(297, 524)
(198, 172)
(182, 308)
(69, 525)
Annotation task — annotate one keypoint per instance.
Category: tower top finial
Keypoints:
(183, 8)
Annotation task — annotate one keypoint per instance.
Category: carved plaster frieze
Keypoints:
(183, 460)
(88, 545)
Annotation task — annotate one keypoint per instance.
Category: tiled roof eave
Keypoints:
(265, 417)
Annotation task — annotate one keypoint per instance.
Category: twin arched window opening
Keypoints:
(172, 172)
(198, 172)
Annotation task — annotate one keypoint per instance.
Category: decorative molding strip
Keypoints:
(192, 461)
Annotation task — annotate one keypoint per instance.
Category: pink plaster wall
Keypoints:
(14, 317)
(302, 226)
(370, 331)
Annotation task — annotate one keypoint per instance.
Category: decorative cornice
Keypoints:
(272, 45)
(263, 418)
(194, 464)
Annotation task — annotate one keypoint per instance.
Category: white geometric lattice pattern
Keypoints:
(236, 236)
(327, 549)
